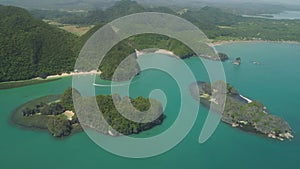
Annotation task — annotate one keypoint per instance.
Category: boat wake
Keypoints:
(110, 85)
(116, 84)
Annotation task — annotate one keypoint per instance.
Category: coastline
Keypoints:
(22, 83)
(246, 99)
(55, 76)
(37, 80)
(223, 42)
(250, 116)
(212, 43)
(39, 121)
(72, 74)
(157, 51)
(165, 52)
(17, 119)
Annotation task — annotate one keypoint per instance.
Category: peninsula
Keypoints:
(242, 112)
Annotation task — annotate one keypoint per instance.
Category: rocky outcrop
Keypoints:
(243, 113)
(237, 61)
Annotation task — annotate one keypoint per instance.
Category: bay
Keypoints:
(289, 15)
(269, 72)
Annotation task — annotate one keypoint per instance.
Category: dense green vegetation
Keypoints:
(217, 24)
(59, 126)
(119, 9)
(250, 116)
(146, 41)
(55, 14)
(67, 100)
(32, 121)
(120, 123)
(31, 48)
(50, 113)
(45, 109)
(220, 25)
(62, 5)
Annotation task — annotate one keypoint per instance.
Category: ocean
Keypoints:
(269, 73)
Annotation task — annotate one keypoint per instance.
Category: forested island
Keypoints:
(243, 113)
(57, 115)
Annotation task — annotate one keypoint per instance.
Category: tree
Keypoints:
(31, 48)
(67, 99)
(28, 112)
(57, 108)
(59, 126)
(45, 110)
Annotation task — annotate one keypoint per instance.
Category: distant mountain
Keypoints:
(119, 9)
(60, 5)
(30, 48)
(207, 18)
(103, 4)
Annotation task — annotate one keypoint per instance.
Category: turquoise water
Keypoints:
(287, 15)
(290, 15)
(275, 82)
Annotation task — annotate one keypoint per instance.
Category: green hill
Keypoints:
(216, 23)
(123, 49)
(119, 9)
(127, 47)
(30, 48)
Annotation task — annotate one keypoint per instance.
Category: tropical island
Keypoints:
(243, 113)
(57, 115)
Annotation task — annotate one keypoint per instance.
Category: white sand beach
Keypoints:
(74, 74)
(166, 52)
(158, 51)
(69, 114)
(247, 99)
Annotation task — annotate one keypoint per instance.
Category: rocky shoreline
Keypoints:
(243, 113)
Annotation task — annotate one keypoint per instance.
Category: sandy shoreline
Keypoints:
(160, 51)
(73, 74)
(157, 51)
(222, 42)
(166, 52)
(247, 99)
(56, 76)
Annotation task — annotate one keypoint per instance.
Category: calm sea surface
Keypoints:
(270, 72)
(291, 15)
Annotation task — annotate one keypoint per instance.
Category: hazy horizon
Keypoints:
(90, 4)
